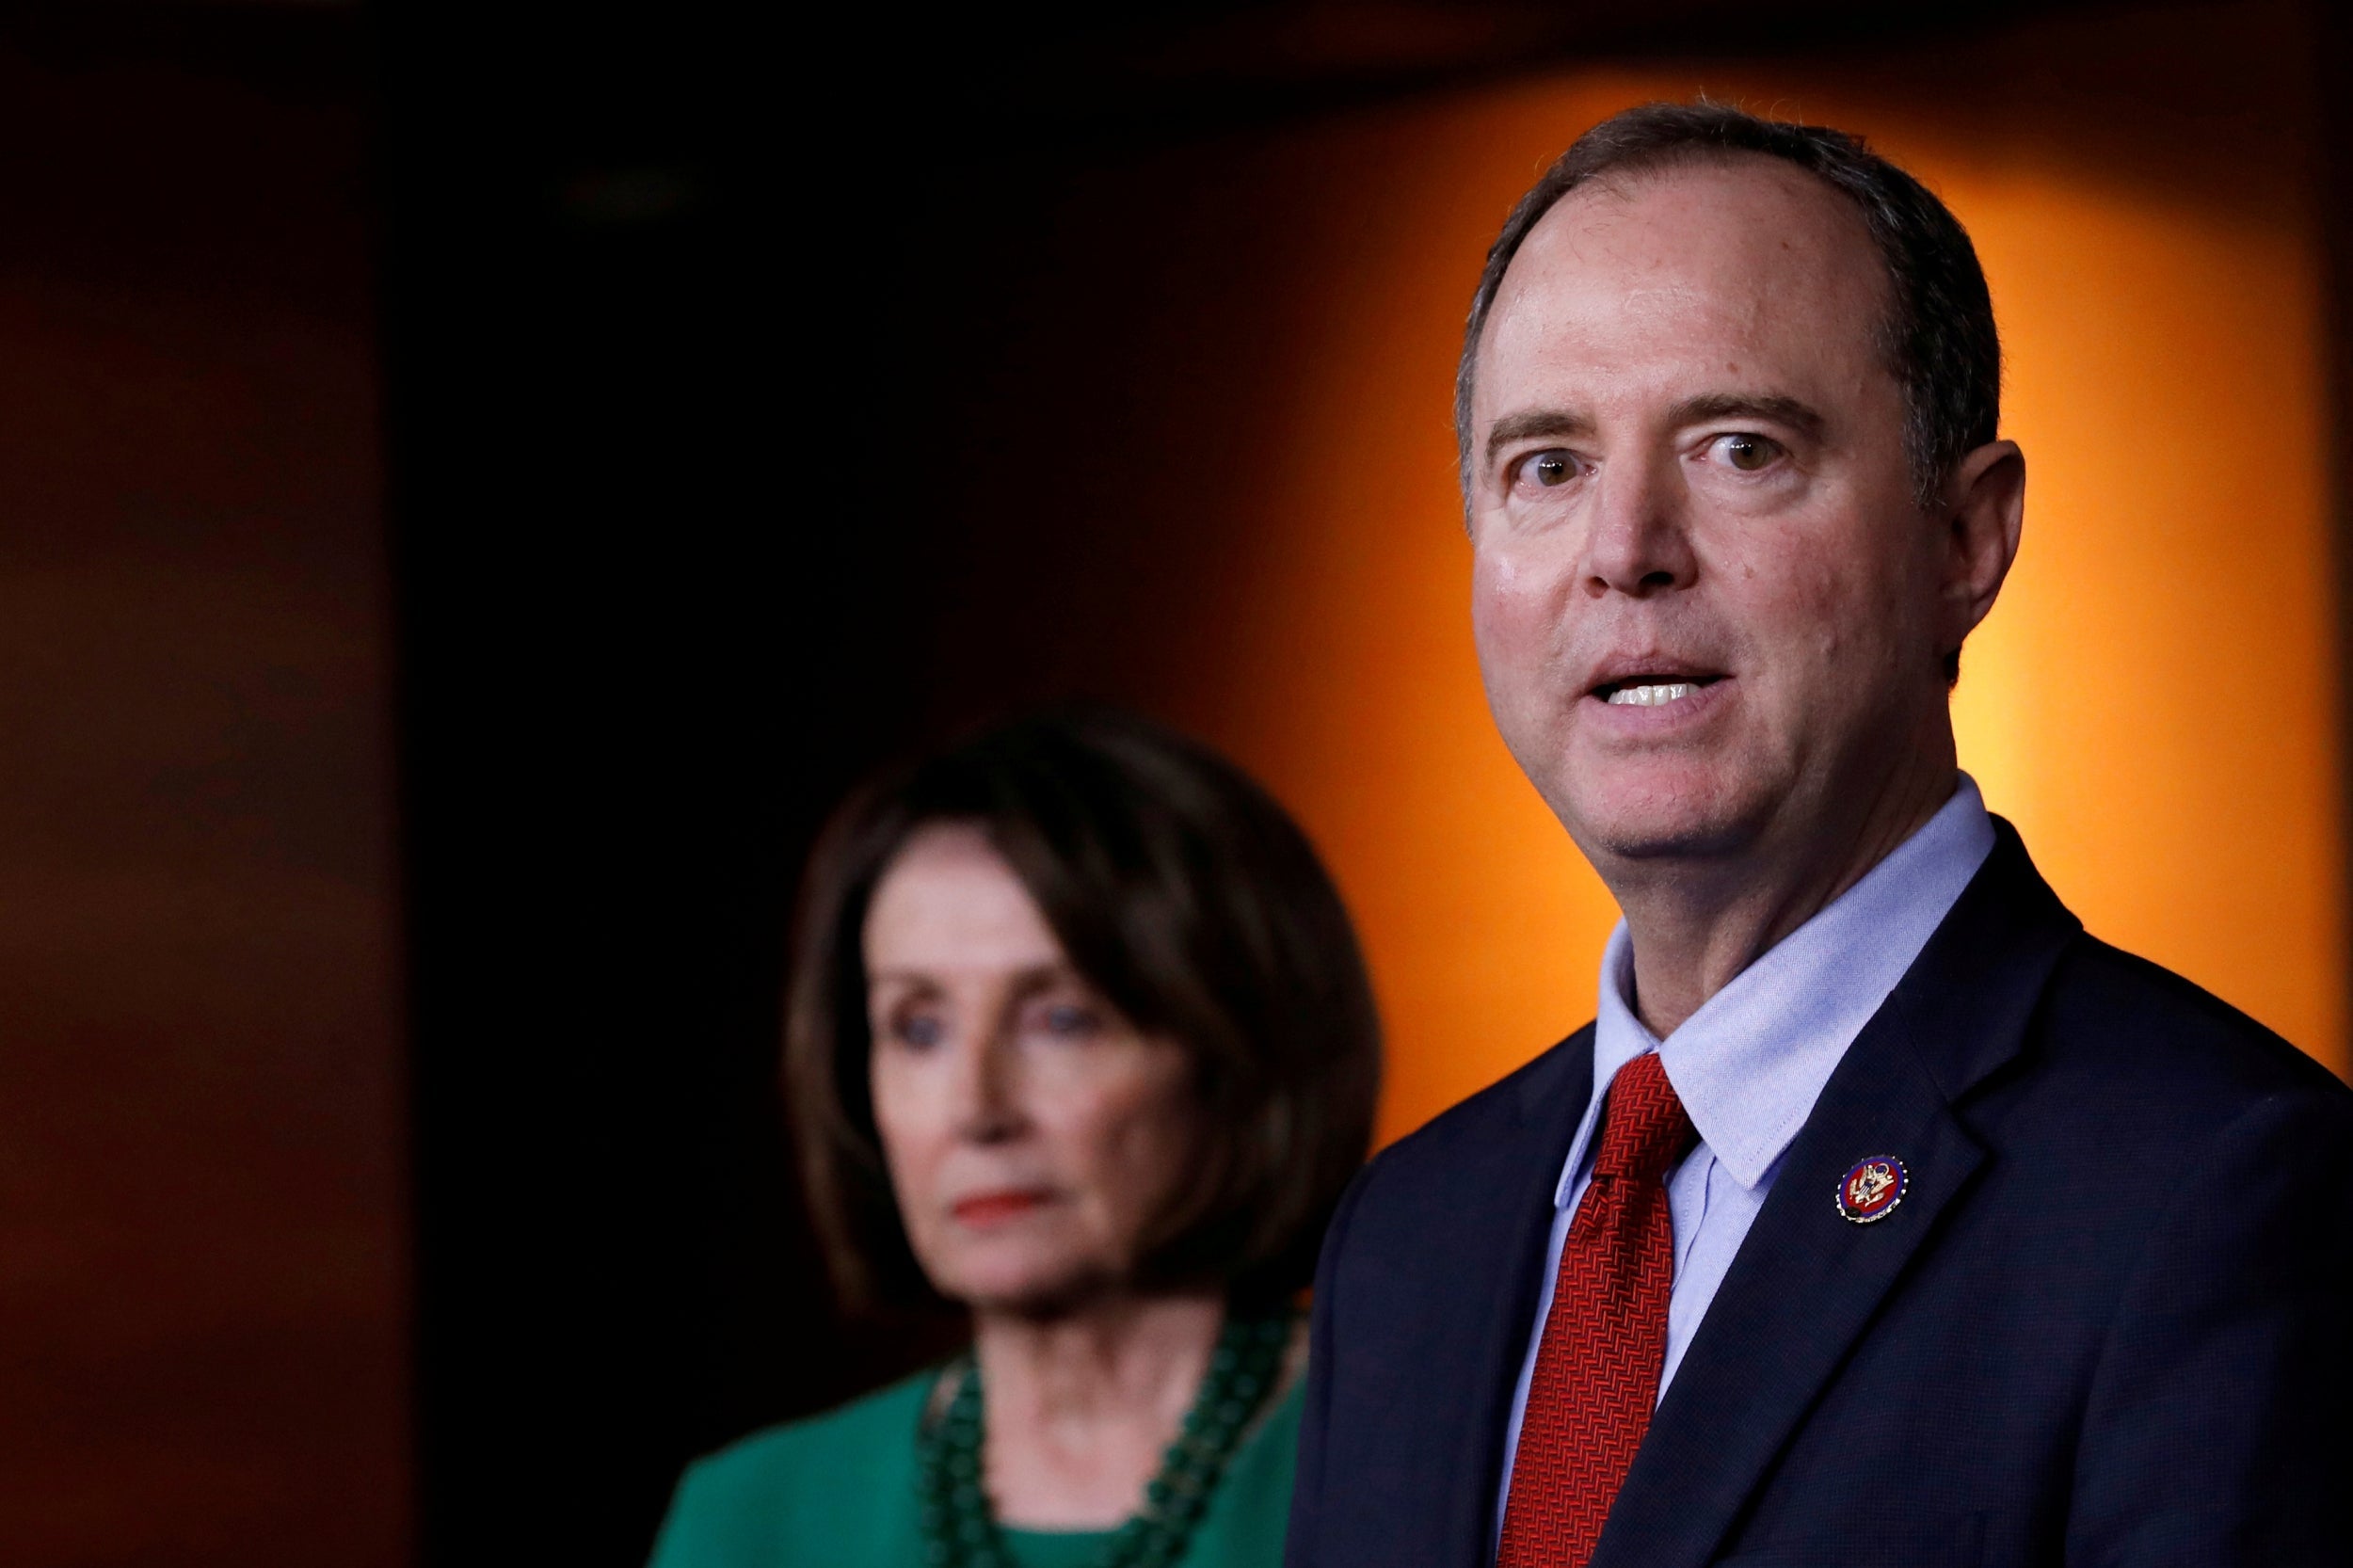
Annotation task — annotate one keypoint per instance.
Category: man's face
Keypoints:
(1708, 611)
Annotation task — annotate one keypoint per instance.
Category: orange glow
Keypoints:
(2153, 703)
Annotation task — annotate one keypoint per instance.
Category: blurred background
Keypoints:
(476, 481)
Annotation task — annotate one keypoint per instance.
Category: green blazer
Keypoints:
(838, 1491)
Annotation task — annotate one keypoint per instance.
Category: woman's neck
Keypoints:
(1081, 1405)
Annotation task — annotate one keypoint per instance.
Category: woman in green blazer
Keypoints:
(1078, 1037)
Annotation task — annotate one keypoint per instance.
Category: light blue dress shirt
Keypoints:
(1750, 1064)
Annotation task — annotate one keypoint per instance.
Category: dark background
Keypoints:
(490, 476)
(203, 1307)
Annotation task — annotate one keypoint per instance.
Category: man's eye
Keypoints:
(1749, 453)
(1550, 469)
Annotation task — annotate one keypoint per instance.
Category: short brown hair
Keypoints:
(1183, 893)
(1939, 336)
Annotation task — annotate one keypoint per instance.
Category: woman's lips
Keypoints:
(983, 1210)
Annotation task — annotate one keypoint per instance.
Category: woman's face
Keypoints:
(1031, 1132)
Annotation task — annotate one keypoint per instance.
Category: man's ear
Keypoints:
(1986, 509)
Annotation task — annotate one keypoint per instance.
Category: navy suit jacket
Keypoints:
(2110, 1321)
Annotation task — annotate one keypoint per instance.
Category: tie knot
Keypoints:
(1644, 1128)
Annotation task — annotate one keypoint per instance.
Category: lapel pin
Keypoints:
(1872, 1190)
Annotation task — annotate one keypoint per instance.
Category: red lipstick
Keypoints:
(983, 1210)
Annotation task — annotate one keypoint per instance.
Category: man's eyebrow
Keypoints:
(1711, 407)
(1531, 423)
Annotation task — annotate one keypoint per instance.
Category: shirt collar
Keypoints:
(1750, 1064)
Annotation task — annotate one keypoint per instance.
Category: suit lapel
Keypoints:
(1526, 1167)
(1807, 1282)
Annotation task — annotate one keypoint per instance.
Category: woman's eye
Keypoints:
(1550, 469)
(1749, 453)
(920, 1030)
(1063, 1020)
(1069, 1018)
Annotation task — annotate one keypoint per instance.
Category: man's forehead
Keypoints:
(1740, 205)
(1745, 250)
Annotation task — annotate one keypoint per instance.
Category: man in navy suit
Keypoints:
(1883, 1218)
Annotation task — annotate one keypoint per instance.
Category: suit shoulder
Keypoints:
(2170, 1034)
(1471, 1123)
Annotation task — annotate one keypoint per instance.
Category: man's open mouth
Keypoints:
(1652, 691)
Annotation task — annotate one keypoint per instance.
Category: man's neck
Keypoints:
(1695, 925)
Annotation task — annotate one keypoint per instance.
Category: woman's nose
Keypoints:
(987, 1090)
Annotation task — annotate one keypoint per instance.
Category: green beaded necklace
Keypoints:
(959, 1529)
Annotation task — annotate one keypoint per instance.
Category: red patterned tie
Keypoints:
(1606, 1338)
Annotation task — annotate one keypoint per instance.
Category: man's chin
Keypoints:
(1661, 825)
(1691, 843)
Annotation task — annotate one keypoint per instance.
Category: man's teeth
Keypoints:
(1652, 696)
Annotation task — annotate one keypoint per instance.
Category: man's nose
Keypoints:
(1639, 543)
